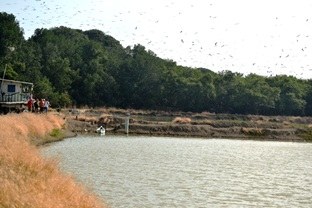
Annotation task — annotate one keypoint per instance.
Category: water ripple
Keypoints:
(173, 172)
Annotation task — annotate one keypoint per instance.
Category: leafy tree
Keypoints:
(11, 35)
(308, 99)
(292, 95)
(228, 87)
(257, 96)
(45, 90)
(28, 62)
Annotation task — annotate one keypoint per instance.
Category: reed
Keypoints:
(27, 179)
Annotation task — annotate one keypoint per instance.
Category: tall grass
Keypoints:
(28, 180)
(23, 126)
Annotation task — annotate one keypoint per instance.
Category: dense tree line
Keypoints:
(70, 66)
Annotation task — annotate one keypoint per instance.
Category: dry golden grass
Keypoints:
(182, 120)
(252, 131)
(28, 180)
(85, 118)
(29, 124)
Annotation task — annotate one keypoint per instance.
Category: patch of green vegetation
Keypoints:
(230, 117)
(56, 133)
(305, 133)
(53, 136)
(298, 126)
(231, 123)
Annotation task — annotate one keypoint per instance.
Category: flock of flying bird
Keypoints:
(169, 38)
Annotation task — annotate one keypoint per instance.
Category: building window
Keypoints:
(11, 88)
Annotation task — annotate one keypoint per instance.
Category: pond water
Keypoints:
(178, 172)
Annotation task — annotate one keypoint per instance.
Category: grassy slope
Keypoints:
(28, 180)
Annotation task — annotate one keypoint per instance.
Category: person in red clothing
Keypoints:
(29, 104)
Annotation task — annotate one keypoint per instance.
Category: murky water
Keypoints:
(176, 172)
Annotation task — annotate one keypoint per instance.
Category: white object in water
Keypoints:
(101, 130)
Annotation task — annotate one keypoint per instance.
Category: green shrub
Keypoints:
(305, 133)
(56, 133)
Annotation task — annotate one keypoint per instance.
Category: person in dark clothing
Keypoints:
(36, 106)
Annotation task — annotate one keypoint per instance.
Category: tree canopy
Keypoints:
(70, 66)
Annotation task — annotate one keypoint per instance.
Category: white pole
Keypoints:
(127, 125)
(5, 67)
(11, 48)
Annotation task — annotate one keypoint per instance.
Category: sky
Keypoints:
(265, 37)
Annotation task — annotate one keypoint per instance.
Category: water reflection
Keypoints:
(175, 172)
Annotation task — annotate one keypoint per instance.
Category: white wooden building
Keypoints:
(14, 94)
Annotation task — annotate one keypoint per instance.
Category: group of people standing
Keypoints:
(38, 105)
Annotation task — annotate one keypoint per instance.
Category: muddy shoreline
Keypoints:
(187, 124)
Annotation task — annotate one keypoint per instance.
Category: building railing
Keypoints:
(16, 97)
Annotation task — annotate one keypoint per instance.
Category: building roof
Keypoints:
(15, 81)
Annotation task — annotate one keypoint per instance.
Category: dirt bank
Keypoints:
(186, 124)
